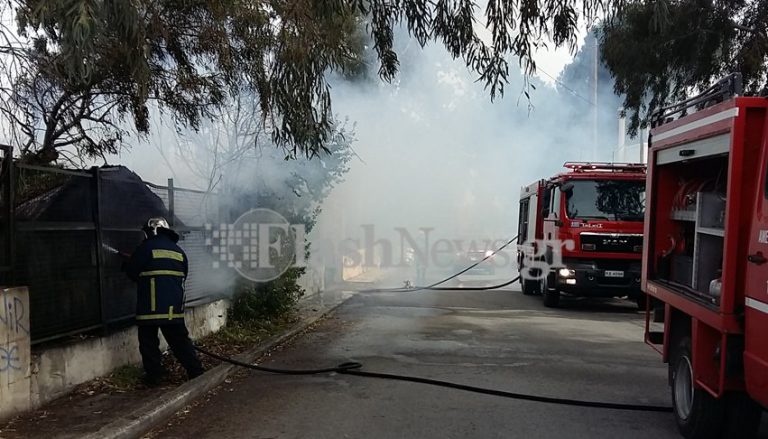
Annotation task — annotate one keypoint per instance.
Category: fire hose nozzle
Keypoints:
(115, 251)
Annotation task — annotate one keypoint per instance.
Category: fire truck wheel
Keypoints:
(551, 297)
(530, 287)
(642, 301)
(698, 414)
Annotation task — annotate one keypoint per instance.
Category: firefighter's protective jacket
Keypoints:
(159, 267)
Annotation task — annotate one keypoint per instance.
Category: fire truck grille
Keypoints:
(611, 242)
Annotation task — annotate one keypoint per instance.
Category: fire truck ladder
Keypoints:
(725, 88)
(604, 166)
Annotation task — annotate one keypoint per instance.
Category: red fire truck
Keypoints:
(705, 258)
(580, 232)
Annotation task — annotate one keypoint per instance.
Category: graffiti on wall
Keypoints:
(12, 315)
(13, 328)
(9, 359)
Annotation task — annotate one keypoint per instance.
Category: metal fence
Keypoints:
(62, 231)
(192, 210)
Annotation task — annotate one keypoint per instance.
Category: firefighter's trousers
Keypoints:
(178, 340)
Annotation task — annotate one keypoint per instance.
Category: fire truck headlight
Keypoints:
(570, 281)
(566, 272)
(588, 247)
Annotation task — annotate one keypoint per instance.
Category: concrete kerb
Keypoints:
(157, 411)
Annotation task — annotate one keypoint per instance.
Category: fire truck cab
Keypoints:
(705, 258)
(580, 232)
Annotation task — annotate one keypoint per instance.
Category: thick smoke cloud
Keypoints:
(434, 152)
(439, 154)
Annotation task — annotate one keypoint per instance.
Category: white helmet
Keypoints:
(153, 224)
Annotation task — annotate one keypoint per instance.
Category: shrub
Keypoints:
(269, 301)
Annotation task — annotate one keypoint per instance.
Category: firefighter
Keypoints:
(160, 267)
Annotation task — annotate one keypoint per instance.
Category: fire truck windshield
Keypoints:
(611, 200)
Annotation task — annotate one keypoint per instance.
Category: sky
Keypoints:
(552, 61)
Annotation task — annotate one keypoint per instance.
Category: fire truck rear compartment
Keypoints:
(690, 251)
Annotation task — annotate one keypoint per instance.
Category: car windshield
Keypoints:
(613, 200)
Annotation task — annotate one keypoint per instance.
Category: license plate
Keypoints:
(614, 273)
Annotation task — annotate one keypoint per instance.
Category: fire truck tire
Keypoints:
(642, 301)
(551, 297)
(698, 414)
(530, 287)
(742, 416)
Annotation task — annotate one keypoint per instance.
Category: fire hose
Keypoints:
(434, 286)
(355, 368)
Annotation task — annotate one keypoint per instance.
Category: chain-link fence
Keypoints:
(192, 210)
(65, 234)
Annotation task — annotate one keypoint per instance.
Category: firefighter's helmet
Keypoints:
(150, 229)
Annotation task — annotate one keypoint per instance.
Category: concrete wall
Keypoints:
(313, 280)
(14, 351)
(207, 319)
(53, 371)
(57, 369)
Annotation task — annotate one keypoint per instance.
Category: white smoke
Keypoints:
(439, 154)
(434, 152)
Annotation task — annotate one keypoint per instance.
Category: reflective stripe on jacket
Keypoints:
(159, 267)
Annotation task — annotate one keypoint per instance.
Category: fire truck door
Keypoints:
(756, 298)
(550, 212)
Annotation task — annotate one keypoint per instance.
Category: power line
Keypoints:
(573, 92)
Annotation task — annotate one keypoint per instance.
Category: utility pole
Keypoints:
(621, 144)
(594, 104)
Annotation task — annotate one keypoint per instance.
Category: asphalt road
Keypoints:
(500, 339)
